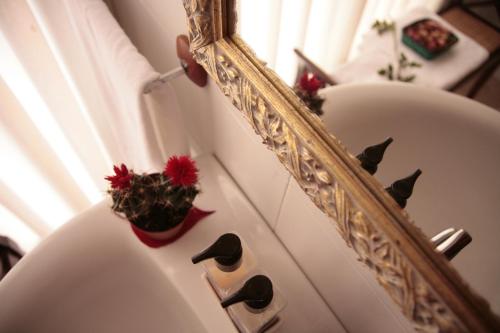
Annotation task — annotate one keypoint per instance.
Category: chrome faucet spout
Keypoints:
(450, 242)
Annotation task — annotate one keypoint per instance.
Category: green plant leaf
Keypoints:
(383, 26)
(409, 78)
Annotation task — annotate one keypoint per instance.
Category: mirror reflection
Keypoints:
(411, 89)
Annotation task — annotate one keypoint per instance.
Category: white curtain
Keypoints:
(327, 31)
(64, 120)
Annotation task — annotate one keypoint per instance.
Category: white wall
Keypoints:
(153, 25)
(216, 126)
(348, 287)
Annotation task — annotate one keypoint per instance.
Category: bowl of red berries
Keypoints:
(428, 38)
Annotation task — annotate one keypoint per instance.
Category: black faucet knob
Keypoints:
(402, 189)
(257, 293)
(372, 156)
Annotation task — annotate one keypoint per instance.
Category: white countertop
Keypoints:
(44, 277)
(305, 312)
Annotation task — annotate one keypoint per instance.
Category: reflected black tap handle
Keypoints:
(372, 156)
(402, 189)
(257, 293)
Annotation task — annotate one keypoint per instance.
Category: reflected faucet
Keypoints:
(450, 242)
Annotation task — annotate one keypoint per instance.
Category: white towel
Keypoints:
(376, 51)
(122, 73)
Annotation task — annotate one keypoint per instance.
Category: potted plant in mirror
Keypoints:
(307, 89)
(157, 204)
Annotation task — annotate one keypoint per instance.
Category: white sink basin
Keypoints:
(98, 281)
(456, 143)
(93, 275)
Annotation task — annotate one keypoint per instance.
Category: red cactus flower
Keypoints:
(121, 179)
(181, 170)
(310, 83)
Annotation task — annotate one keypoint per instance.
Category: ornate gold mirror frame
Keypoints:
(423, 283)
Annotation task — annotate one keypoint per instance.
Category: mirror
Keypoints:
(451, 142)
(444, 135)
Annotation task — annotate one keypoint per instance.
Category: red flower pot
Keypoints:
(160, 235)
(161, 238)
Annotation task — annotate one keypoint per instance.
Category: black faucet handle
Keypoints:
(257, 293)
(372, 156)
(402, 189)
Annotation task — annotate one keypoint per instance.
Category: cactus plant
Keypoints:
(156, 201)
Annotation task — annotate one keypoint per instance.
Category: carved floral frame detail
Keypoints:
(429, 291)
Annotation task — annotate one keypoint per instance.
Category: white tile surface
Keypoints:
(255, 168)
(153, 25)
(306, 311)
(213, 123)
(346, 285)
